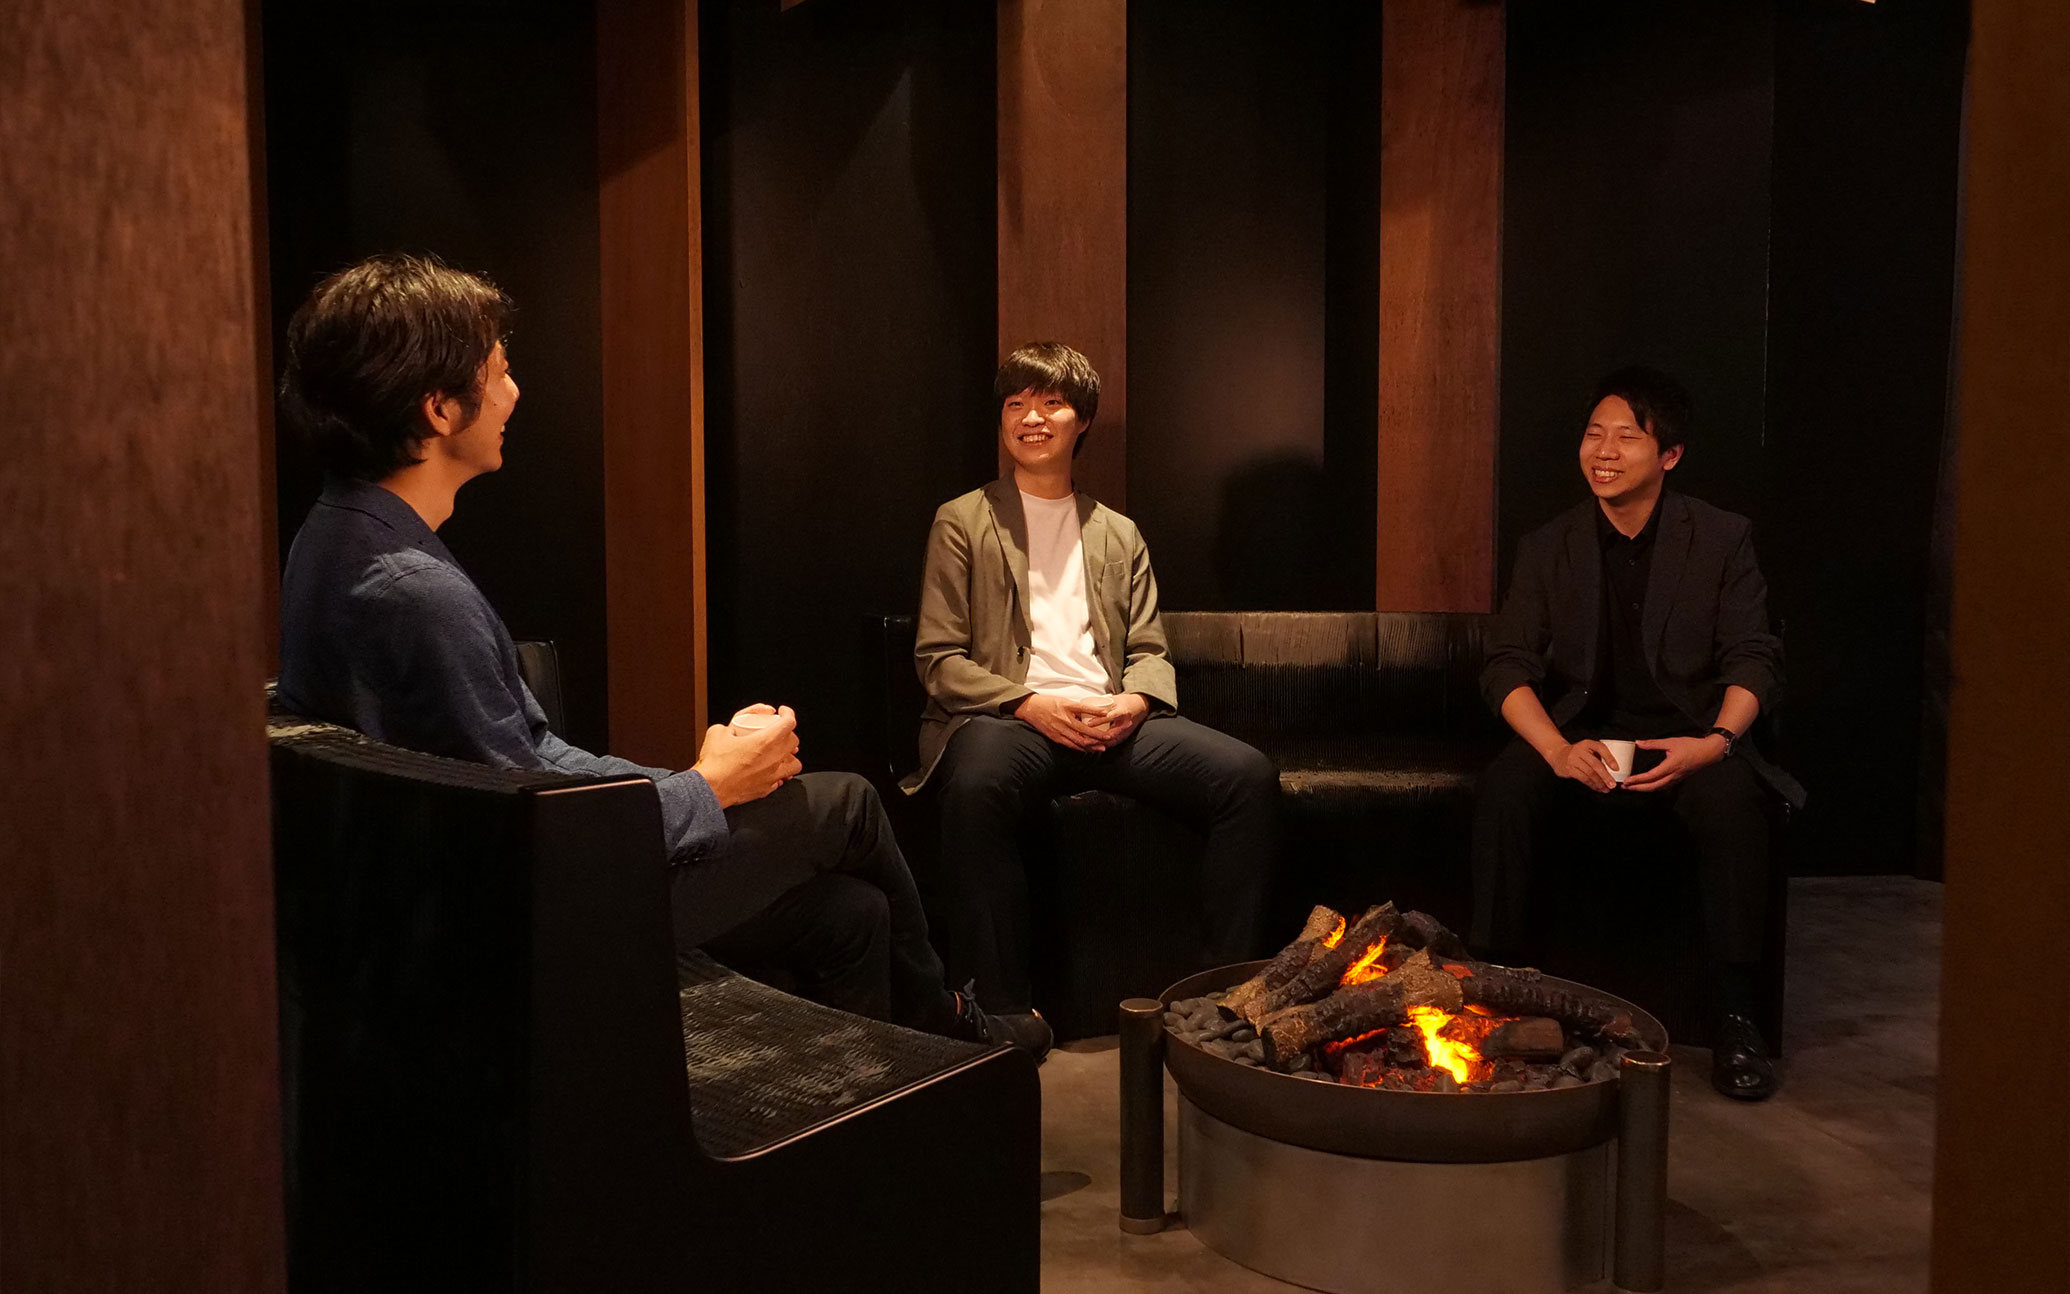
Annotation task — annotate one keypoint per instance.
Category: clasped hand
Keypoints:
(1089, 726)
(1590, 762)
(747, 764)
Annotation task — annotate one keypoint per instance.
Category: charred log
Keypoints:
(1511, 994)
(1535, 1038)
(1422, 930)
(1321, 924)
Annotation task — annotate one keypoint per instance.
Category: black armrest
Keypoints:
(539, 664)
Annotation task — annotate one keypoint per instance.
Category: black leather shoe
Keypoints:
(1023, 1029)
(1740, 1067)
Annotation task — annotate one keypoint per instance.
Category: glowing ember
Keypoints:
(1459, 1058)
(1345, 1044)
(1364, 969)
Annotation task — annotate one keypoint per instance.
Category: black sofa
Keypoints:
(497, 1077)
(1376, 723)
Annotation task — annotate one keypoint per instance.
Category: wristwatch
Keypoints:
(1731, 738)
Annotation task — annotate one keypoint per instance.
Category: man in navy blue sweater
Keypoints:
(396, 375)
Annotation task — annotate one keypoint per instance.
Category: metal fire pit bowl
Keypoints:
(1426, 1127)
(1318, 1183)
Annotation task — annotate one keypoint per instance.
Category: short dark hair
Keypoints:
(1660, 403)
(370, 343)
(1046, 366)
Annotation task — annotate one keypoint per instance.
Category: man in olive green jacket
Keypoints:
(1047, 673)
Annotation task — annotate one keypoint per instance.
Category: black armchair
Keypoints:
(495, 1079)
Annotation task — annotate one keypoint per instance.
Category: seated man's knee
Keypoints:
(849, 918)
(983, 761)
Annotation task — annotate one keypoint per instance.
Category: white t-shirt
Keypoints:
(1061, 659)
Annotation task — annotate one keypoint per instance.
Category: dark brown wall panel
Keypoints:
(1441, 136)
(2001, 1206)
(653, 353)
(139, 1109)
(1063, 203)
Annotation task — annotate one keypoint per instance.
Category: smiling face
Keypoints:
(479, 444)
(1621, 460)
(1038, 430)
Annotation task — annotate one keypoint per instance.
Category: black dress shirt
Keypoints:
(1625, 701)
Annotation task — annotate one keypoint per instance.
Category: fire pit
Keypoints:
(1347, 1133)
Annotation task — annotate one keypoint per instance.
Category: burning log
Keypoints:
(1322, 973)
(1361, 1008)
(1347, 1013)
(1323, 923)
(1512, 994)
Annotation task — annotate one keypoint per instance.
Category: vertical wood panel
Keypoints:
(1063, 203)
(2002, 1145)
(653, 330)
(139, 1090)
(1441, 104)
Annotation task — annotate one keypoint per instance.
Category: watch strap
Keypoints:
(1731, 739)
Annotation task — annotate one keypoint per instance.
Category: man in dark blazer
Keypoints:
(1640, 615)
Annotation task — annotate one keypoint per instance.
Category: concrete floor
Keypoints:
(1826, 1188)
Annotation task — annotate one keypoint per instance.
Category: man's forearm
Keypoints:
(1525, 713)
(1738, 710)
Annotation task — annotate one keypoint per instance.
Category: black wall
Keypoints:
(1252, 300)
(1868, 107)
(1635, 228)
(850, 253)
(468, 130)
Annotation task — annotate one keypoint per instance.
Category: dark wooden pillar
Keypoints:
(1063, 203)
(2001, 1205)
(653, 360)
(139, 1074)
(1441, 104)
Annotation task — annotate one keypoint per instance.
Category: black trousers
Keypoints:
(811, 893)
(1525, 810)
(997, 771)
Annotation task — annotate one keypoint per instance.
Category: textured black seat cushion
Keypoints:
(765, 1066)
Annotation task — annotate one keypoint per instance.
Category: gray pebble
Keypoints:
(1578, 1060)
(1213, 1047)
(1255, 1049)
(1567, 1080)
(1242, 1033)
(1506, 1085)
(1302, 1062)
(1245, 1058)
(1173, 1020)
(1601, 1072)
(1314, 1077)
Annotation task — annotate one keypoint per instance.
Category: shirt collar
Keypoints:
(382, 505)
(1608, 536)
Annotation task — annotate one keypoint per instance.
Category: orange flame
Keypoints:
(1363, 970)
(1450, 1054)
(1335, 937)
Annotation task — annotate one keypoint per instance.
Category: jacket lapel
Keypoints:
(1010, 525)
(1670, 553)
(1585, 568)
(1092, 537)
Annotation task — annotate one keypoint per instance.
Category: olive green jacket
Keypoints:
(971, 645)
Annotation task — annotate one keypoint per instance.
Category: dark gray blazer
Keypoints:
(1705, 626)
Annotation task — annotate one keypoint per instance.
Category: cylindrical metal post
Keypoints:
(1142, 1116)
(1642, 1165)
